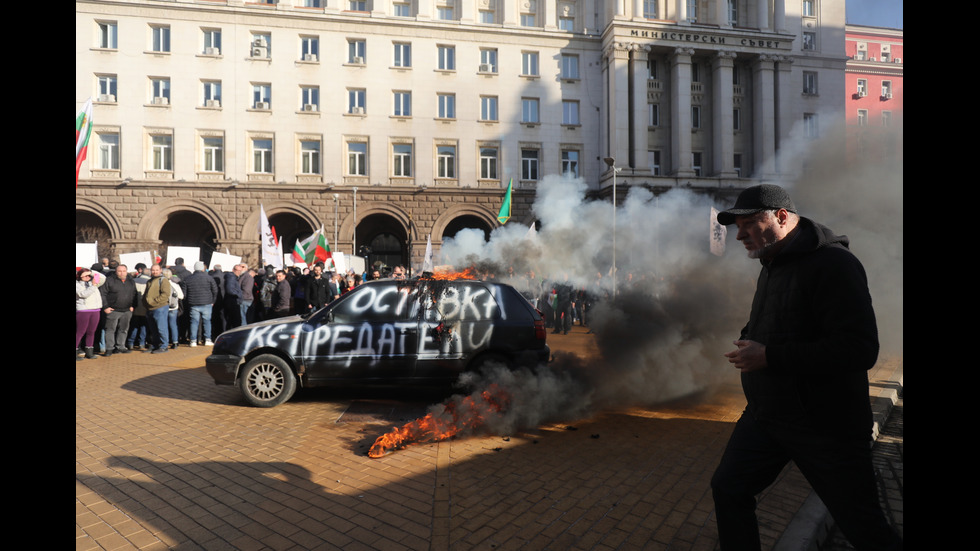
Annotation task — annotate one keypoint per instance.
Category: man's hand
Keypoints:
(749, 356)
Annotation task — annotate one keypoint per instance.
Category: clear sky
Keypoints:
(875, 13)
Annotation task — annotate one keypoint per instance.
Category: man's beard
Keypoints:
(768, 242)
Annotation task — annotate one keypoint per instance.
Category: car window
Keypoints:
(377, 303)
(459, 301)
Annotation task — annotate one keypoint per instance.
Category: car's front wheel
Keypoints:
(267, 381)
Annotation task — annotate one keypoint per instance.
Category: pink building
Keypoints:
(873, 83)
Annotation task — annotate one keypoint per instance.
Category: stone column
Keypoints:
(762, 15)
(548, 11)
(722, 138)
(616, 91)
(680, 7)
(779, 15)
(764, 115)
(639, 108)
(784, 109)
(680, 112)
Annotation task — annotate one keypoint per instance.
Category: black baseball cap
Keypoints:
(756, 199)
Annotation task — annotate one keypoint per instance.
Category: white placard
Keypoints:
(189, 254)
(132, 259)
(86, 254)
(226, 261)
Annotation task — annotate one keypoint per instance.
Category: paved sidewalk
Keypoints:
(167, 460)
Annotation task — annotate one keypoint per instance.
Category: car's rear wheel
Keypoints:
(267, 381)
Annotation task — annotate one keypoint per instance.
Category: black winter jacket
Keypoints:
(812, 310)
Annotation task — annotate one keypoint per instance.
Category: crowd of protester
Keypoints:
(119, 308)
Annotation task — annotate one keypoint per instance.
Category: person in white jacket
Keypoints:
(88, 304)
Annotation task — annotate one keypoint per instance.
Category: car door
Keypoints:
(457, 323)
(370, 334)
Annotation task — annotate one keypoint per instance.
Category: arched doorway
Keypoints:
(90, 228)
(467, 221)
(290, 228)
(383, 241)
(188, 229)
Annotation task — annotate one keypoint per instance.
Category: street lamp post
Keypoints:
(353, 250)
(611, 162)
(336, 214)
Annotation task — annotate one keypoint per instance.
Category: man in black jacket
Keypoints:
(804, 358)
(118, 299)
(201, 294)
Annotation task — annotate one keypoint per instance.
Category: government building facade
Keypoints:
(388, 121)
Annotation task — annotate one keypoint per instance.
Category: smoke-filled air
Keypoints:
(678, 307)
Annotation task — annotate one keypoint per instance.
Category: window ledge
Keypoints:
(356, 115)
(445, 71)
(401, 117)
(349, 64)
(489, 122)
(210, 56)
(395, 68)
(571, 80)
(303, 112)
(530, 77)
(446, 119)
(151, 52)
(305, 62)
(571, 126)
(309, 178)
(527, 124)
(487, 73)
(267, 59)
(159, 175)
(254, 110)
(97, 49)
(261, 177)
(157, 105)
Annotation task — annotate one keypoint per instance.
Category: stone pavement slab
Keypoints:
(167, 460)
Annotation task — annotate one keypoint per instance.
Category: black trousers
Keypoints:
(838, 469)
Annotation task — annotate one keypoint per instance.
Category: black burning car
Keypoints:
(388, 332)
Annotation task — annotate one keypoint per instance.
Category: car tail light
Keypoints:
(540, 333)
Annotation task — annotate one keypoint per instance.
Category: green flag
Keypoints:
(504, 215)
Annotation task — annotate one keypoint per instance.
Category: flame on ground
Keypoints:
(459, 415)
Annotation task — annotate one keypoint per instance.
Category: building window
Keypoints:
(862, 119)
(569, 162)
(862, 51)
(261, 96)
(107, 88)
(212, 93)
(736, 119)
(566, 24)
(692, 10)
(529, 110)
(262, 155)
(653, 114)
(653, 160)
(355, 101)
(886, 118)
(810, 83)
(695, 116)
(569, 66)
(650, 9)
(886, 89)
(357, 158)
(309, 48)
(160, 91)
(486, 17)
(737, 162)
(445, 13)
(401, 157)
(108, 151)
(696, 163)
(212, 42)
(529, 164)
(488, 163)
(160, 38)
(736, 76)
(357, 5)
(213, 159)
(446, 161)
(446, 58)
(529, 64)
(488, 108)
(652, 69)
(356, 51)
(162, 152)
(862, 87)
(488, 60)
(809, 41)
(261, 47)
(569, 112)
(403, 54)
(446, 105)
(309, 151)
(809, 8)
(309, 98)
(529, 12)
(107, 35)
(733, 12)
(885, 56)
(695, 72)
(401, 9)
(312, 3)
(810, 129)
(403, 104)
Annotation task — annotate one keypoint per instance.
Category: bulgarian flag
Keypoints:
(300, 249)
(504, 215)
(320, 251)
(83, 131)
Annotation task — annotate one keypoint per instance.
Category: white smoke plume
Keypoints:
(664, 334)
